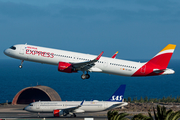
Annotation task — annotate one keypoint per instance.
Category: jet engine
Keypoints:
(65, 67)
(58, 113)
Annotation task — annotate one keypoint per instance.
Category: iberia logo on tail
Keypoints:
(158, 64)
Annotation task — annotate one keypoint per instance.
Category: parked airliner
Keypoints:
(72, 62)
(63, 108)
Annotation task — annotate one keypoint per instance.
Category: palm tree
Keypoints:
(174, 116)
(141, 117)
(113, 115)
(120, 116)
(162, 114)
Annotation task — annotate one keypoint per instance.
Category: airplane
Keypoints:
(64, 108)
(72, 62)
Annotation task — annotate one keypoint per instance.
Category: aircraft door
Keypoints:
(37, 106)
(105, 63)
(105, 105)
(21, 50)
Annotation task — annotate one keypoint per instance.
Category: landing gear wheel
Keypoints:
(83, 76)
(20, 66)
(74, 114)
(38, 115)
(87, 76)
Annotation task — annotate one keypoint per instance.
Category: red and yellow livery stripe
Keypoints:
(158, 62)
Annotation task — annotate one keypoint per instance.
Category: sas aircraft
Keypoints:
(64, 108)
(72, 62)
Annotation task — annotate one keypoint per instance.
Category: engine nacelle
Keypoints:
(58, 113)
(65, 67)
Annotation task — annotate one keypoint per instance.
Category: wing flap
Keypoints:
(88, 64)
(95, 69)
(71, 109)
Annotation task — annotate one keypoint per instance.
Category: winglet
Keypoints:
(99, 56)
(82, 103)
(114, 55)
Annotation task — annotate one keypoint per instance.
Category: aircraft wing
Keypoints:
(88, 64)
(67, 110)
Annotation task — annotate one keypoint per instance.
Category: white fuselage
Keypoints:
(54, 56)
(88, 106)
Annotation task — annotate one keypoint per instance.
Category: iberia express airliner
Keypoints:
(72, 62)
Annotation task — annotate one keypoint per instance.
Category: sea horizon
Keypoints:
(71, 87)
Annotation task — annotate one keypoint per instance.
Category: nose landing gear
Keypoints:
(20, 66)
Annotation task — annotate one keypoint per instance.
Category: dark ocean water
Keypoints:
(71, 87)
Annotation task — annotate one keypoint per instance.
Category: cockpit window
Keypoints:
(31, 105)
(12, 47)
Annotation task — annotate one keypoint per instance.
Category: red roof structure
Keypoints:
(35, 93)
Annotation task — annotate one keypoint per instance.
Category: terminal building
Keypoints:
(35, 93)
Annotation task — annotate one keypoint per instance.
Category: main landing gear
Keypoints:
(20, 66)
(38, 114)
(74, 115)
(85, 76)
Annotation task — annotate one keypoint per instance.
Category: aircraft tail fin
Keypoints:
(118, 95)
(163, 57)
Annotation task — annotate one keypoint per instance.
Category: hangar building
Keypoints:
(35, 93)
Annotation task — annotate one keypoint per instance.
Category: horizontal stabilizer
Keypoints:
(168, 71)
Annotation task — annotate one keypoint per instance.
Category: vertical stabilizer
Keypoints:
(163, 57)
(158, 64)
(118, 95)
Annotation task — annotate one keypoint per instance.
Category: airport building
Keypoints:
(35, 93)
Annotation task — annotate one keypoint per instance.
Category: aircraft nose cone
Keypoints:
(6, 52)
(25, 108)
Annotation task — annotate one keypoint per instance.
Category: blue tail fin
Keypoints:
(118, 95)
